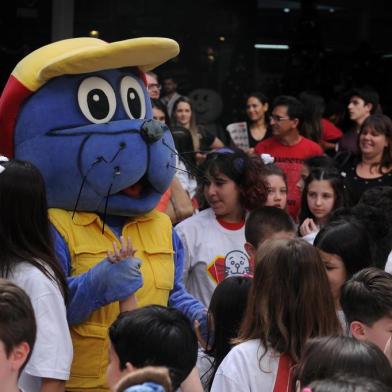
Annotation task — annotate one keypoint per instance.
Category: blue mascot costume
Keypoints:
(79, 110)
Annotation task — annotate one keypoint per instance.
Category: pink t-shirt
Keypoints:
(290, 159)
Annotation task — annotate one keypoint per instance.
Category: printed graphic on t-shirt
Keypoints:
(235, 262)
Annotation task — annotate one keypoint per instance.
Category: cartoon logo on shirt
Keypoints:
(234, 263)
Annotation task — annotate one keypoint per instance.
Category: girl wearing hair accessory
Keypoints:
(323, 193)
(289, 302)
(214, 239)
(27, 259)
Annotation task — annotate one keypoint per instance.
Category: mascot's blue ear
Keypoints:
(83, 116)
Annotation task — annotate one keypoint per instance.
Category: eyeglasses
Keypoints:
(153, 86)
(278, 118)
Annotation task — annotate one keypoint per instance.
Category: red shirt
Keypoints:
(290, 159)
(330, 132)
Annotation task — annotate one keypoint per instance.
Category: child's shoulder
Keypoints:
(33, 280)
(202, 218)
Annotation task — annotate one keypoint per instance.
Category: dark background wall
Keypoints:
(334, 45)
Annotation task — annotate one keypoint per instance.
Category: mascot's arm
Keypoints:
(179, 296)
(102, 284)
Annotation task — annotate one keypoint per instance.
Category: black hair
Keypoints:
(367, 296)
(314, 106)
(155, 336)
(348, 239)
(226, 311)
(345, 383)
(375, 220)
(295, 108)
(24, 225)
(184, 145)
(158, 104)
(330, 356)
(336, 182)
(320, 162)
(380, 198)
(259, 95)
(17, 320)
(244, 170)
(368, 95)
(264, 221)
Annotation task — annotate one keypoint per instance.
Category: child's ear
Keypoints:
(250, 250)
(358, 330)
(19, 355)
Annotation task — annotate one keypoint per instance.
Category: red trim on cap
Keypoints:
(14, 94)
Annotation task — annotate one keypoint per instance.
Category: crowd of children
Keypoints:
(284, 313)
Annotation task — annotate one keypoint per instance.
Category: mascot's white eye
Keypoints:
(132, 96)
(97, 100)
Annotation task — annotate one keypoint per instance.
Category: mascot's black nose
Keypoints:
(151, 131)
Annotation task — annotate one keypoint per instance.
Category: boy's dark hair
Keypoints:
(264, 221)
(155, 336)
(328, 357)
(367, 296)
(345, 383)
(368, 95)
(17, 320)
(295, 108)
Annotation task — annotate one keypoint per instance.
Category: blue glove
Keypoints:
(116, 281)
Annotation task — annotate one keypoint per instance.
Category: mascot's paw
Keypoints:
(116, 282)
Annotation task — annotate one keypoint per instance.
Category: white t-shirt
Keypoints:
(388, 265)
(212, 253)
(204, 366)
(187, 181)
(245, 369)
(52, 353)
(310, 237)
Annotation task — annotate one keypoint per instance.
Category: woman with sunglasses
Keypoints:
(214, 239)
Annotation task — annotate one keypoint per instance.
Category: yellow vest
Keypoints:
(151, 235)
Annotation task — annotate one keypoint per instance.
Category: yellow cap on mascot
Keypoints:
(83, 55)
(71, 57)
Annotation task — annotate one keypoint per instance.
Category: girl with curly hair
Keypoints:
(214, 239)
